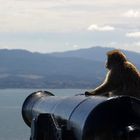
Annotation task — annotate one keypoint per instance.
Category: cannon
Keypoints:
(81, 118)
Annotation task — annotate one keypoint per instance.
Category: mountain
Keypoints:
(94, 53)
(97, 54)
(82, 68)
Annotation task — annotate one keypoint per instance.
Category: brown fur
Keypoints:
(123, 78)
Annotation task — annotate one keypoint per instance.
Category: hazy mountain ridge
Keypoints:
(72, 69)
(96, 53)
(89, 53)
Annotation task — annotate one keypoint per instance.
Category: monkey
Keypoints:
(122, 78)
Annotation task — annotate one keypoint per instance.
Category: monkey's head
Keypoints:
(115, 58)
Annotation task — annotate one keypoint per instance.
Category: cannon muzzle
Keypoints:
(81, 118)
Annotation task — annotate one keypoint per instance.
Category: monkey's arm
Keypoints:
(102, 89)
(109, 84)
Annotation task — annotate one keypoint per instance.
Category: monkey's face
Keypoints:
(115, 59)
(112, 62)
(108, 63)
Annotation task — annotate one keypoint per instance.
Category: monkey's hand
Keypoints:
(87, 93)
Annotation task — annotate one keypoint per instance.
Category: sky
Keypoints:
(62, 25)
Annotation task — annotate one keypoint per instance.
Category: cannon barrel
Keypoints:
(87, 118)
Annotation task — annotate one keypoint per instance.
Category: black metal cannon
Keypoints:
(81, 118)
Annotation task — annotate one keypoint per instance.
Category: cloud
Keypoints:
(63, 15)
(132, 14)
(137, 43)
(95, 27)
(75, 46)
(133, 34)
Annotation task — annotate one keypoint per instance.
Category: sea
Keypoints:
(12, 126)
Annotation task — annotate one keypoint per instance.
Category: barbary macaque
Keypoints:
(123, 78)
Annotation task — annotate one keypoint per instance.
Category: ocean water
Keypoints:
(12, 126)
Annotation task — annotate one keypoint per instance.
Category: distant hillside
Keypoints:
(73, 69)
(97, 54)
(94, 53)
(23, 69)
